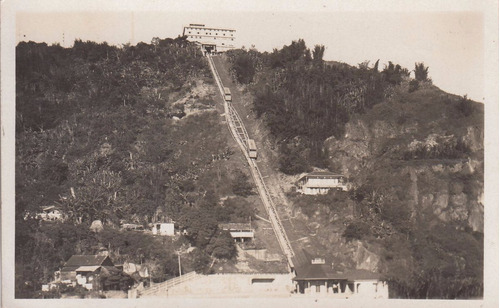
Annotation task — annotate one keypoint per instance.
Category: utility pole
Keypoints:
(179, 258)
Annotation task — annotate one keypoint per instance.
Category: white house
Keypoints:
(320, 183)
(163, 228)
(50, 213)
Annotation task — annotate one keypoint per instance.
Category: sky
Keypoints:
(450, 42)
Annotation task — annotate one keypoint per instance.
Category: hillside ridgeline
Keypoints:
(122, 135)
(413, 156)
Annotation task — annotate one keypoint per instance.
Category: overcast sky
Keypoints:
(451, 43)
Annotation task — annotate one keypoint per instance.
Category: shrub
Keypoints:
(465, 106)
(223, 247)
(356, 231)
(244, 68)
(421, 72)
(291, 161)
(240, 185)
(414, 85)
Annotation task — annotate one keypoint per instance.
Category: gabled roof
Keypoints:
(85, 260)
(307, 271)
(88, 268)
(317, 272)
(321, 174)
(235, 226)
(50, 207)
(361, 274)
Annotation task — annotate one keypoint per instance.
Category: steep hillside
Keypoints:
(413, 156)
(122, 135)
(415, 163)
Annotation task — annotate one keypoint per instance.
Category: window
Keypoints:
(197, 32)
(189, 31)
(224, 34)
(317, 288)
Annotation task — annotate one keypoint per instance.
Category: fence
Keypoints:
(162, 287)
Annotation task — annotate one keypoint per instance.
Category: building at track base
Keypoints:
(318, 278)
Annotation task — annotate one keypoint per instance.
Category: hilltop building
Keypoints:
(320, 183)
(212, 40)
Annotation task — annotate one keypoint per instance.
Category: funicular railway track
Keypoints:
(240, 135)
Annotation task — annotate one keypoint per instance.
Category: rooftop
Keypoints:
(207, 28)
(235, 226)
(317, 271)
(323, 173)
(85, 260)
(307, 269)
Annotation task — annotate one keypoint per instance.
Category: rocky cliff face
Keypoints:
(422, 144)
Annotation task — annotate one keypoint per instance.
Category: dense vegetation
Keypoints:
(401, 142)
(100, 132)
(305, 100)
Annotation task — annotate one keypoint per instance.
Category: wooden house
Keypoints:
(320, 183)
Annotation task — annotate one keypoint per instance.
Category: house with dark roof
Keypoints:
(320, 183)
(85, 269)
(318, 277)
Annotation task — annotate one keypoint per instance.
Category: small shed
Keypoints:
(239, 231)
(163, 228)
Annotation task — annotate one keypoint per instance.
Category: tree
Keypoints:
(356, 231)
(240, 185)
(414, 85)
(223, 247)
(394, 74)
(239, 209)
(291, 160)
(465, 106)
(421, 72)
(244, 68)
(318, 52)
(201, 260)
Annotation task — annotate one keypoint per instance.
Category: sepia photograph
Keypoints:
(300, 154)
